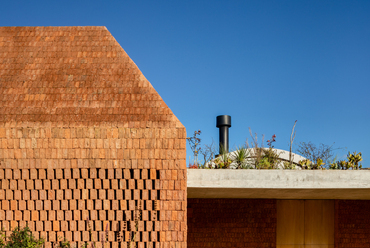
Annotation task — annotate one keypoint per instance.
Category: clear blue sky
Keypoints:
(265, 63)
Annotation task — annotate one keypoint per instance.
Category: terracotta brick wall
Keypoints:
(231, 223)
(84, 135)
(54, 179)
(352, 223)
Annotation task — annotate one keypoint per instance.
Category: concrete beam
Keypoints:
(279, 184)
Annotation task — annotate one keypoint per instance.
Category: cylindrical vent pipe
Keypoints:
(223, 122)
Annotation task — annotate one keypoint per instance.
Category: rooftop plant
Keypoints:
(253, 155)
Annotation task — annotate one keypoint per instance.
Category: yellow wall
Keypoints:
(305, 224)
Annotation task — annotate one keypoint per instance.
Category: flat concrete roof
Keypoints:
(279, 184)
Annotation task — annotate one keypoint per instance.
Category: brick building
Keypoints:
(278, 208)
(86, 143)
(84, 135)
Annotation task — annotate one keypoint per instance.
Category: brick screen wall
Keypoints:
(231, 223)
(352, 223)
(84, 136)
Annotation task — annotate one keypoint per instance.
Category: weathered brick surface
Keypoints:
(352, 223)
(231, 223)
(84, 135)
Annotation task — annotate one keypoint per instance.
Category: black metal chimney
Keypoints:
(223, 122)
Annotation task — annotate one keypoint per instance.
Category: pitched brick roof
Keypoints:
(74, 75)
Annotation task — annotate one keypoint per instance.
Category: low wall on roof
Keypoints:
(279, 184)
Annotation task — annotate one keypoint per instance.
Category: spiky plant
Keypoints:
(240, 158)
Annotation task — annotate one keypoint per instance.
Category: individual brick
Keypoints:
(72, 226)
(89, 183)
(67, 194)
(16, 174)
(39, 205)
(76, 214)
(60, 215)
(6, 226)
(43, 195)
(68, 235)
(55, 184)
(38, 184)
(75, 173)
(106, 183)
(76, 194)
(118, 173)
(9, 194)
(97, 183)
(81, 204)
(110, 194)
(71, 184)
(17, 195)
(80, 183)
(63, 184)
(64, 226)
(39, 226)
(26, 215)
(30, 184)
(47, 204)
(122, 204)
(21, 205)
(67, 174)
(46, 184)
(43, 215)
(34, 215)
(42, 173)
(50, 194)
(77, 236)
(102, 194)
(68, 215)
(8, 174)
(98, 204)
(18, 215)
(59, 194)
(55, 204)
(50, 174)
(33, 174)
(121, 183)
(52, 237)
(55, 227)
(64, 204)
(21, 184)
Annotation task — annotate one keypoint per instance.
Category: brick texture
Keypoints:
(231, 223)
(352, 223)
(84, 136)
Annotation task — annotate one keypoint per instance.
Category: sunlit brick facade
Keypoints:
(84, 136)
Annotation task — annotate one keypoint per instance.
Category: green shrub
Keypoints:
(2, 239)
(353, 162)
(21, 238)
(64, 243)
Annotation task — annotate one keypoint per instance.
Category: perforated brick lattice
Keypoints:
(60, 201)
(56, 196)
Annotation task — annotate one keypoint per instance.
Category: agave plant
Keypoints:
(240, 158)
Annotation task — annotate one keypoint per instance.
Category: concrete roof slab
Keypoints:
(279, 184)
